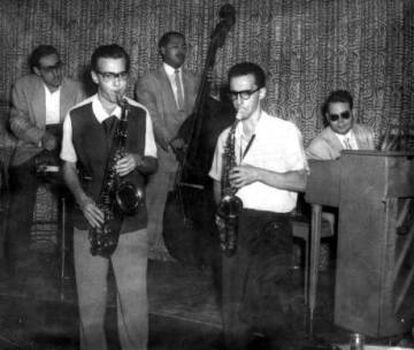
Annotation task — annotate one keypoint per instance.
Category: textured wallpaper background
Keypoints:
(307, 47)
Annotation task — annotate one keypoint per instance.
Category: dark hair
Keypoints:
(39, 52)
(342, 96)
(165, 39)
(245, 68)
(109, 51)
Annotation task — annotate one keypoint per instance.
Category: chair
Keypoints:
(301, 229)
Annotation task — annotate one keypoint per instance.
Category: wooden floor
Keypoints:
(37, 311)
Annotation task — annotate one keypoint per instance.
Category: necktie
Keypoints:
(180, 95)
(347, 143)
(109, 124)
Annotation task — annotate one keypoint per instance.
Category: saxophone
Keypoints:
(230, 205)
(117, 197)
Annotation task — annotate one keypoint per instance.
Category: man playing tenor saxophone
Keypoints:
(94, 171)
(258, 166)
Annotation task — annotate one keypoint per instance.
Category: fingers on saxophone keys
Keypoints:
(96, 216)
(94, 223)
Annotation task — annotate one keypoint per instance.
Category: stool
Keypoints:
(301, 229)
(53, 179)
(63, 249)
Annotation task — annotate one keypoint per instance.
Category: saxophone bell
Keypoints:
(230, 207)
(129, 198)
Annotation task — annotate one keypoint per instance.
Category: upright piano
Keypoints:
(374, 193)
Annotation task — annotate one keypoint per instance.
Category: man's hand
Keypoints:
(49, 141)
(178, 145)
(243, 175)
(91, 212)
(163, 144)
(127, 164)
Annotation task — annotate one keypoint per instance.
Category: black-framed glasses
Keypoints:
(109, 76)
(244, 94)
(48, 69)
(343, 115)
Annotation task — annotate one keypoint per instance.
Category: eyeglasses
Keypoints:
(109, 76)
(48, 69)
(245, 94)
(343, 115)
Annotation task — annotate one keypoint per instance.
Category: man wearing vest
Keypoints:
(86, 147)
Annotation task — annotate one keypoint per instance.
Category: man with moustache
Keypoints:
(88, 135)
(342, 131)
(40, 102)
(270, 169)
(169, 94)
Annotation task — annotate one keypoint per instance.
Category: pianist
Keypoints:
(342, 132)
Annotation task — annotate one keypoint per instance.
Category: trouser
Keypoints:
(257, 279)
(129, 263)
(159, 184)
(23, 186)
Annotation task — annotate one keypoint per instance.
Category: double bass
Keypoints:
(189, 211)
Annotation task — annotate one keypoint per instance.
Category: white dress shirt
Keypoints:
(170, 71)
(52, 106)
(348, 140)
(277, 147)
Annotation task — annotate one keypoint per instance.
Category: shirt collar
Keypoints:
(170, 70)
(348, 135)
(48, 92)
(100, 113)
(240, 130)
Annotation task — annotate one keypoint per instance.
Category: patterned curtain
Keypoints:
(306, 47)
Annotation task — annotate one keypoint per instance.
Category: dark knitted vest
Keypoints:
(92, 147)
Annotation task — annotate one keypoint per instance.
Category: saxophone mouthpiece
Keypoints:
(240, 115)
(121, 100)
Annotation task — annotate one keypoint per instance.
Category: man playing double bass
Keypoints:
(169, 93)
(258, 166)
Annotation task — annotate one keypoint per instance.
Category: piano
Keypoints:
(374, 284)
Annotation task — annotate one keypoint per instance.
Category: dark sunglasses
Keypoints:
(343, 115)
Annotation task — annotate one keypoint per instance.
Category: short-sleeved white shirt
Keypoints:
(278, 147)
(68, 150)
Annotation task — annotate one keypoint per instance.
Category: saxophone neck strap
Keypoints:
(249, 145)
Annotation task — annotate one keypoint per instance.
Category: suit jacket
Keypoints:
(326, 146)
(28, 112)
(154, 91)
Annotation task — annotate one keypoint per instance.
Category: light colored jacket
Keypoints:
(327, 146)
(28, 112)
(154, 91)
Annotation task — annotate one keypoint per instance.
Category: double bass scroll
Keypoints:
(191, 129)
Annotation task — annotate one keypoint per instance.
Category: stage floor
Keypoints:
(37, 313)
